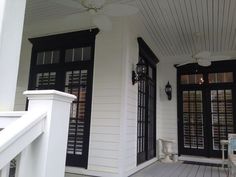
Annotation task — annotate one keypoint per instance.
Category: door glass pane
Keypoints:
(222, 122)
(45, 80)
(40, 58)
(141, 116)
(78, 54)
(69, 55)
(220, 77)
(48, 57)
(74, 86)
(86, 53)
(193, 119)
(192, 79)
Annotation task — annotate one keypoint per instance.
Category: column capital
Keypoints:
(49, 95)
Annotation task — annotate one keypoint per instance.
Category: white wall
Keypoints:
(167, 124)
(105, 133)
(167, 110)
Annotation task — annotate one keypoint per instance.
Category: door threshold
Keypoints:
(200, 159)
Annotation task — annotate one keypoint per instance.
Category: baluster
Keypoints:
(21, 164)
(5, 171)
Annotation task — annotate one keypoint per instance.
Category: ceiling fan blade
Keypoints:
(185, 63)
(118, 10)
(102, 22)
(68, 3)
(219, 58)
(92, 3)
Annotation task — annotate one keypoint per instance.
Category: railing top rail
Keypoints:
(12, 114)
(18, 128)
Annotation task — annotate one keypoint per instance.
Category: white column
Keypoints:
(11, 27)
(46, 156)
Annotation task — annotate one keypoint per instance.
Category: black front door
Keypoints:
(65, 62)
(206, 113)
(146, 122)
(147, 117)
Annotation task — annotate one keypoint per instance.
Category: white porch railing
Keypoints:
(6, 118)
(38, 139)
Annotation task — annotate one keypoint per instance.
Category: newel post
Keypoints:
(46, 156)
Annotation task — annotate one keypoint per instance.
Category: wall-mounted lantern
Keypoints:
(168, 90)
(141, 72)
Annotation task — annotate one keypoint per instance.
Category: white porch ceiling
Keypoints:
(170, 23)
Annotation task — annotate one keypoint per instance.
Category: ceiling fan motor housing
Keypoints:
(93, 4)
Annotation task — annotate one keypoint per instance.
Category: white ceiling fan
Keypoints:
(100, 10)
(204, 59)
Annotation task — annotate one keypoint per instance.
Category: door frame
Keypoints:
(219, 66)
(62, 42)
(146, 54)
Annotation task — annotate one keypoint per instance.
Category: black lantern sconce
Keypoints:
(168, 90)
(141, 72)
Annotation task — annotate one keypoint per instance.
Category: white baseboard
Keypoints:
(200, 159)
(141, 166)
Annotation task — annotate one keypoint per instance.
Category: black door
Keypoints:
(192, 121)
(206, 113)
(147, 117)
(146, 122)
(65, 62)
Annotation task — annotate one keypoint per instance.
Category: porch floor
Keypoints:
(179, 169)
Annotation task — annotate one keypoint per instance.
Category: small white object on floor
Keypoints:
(167, 150)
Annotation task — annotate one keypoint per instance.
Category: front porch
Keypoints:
(118, 118)
(179, 169)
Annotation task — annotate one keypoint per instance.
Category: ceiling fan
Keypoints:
(100, 10)
(204, 59)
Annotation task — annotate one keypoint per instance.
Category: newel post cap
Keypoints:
(49, 95)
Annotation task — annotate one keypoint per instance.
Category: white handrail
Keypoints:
(6, 118)
(18, 135)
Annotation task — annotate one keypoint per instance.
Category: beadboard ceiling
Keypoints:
(170, 23)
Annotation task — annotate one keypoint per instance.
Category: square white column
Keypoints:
(12, 14)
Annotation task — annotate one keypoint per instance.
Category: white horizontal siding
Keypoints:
(100, 168)
(103, 161)
(131, 119)
(103, 145)
(104, 148)
(113, 130)
(167, 116)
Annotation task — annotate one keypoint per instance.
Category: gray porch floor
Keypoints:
(177, 170)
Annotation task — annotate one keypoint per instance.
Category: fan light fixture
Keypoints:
(141, 72)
